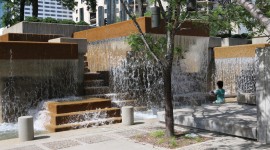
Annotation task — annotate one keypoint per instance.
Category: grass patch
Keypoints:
(158, 134)
(158, 138)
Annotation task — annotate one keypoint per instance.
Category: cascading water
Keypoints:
(25, 86)
(238, 74)
(134, 74)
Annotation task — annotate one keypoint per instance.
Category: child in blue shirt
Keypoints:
(219, 93)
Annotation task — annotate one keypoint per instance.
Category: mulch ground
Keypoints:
(179, 140)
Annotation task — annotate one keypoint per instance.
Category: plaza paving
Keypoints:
(117, 137)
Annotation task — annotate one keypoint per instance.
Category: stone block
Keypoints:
(259, 40)
(128, 115)
(246, 98)
(82, 43)
(26, 128)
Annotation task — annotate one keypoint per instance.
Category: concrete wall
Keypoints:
(45, 28)
(32, 72)
(262, 94)
(221, 42)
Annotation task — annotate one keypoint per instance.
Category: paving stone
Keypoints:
(130, 133)
(29, 147)
(94, 139)
(61, 144)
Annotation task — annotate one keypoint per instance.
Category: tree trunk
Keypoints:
(167, 77)
(22, 4)
(140, 7)
(35, 8)
(256, 13)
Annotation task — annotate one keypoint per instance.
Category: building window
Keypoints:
(81, 14)
(47, 3)
(76, 18)
(59, 15)
(76, 11)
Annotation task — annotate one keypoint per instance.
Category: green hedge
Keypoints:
(52, 20)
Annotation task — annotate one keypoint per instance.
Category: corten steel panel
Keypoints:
(237, 51)
(4, 37)
(127, 27)
(28, 37)
(38, 50)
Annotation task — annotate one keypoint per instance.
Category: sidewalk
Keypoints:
(116, 137)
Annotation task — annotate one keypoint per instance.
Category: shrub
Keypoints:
(82, 23)
(50, 20)
(65, 21)
(33, 19)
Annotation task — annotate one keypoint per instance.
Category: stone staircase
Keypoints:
(69, 115)
(95, 109)
(96, 84)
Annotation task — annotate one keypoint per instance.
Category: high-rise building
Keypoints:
(50, 8)
(112, 11)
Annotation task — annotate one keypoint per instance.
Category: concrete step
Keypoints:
(117, 96)
(92, 76)
(65, 127)
(80, 116)
(96, 90)
(94, 83)
(121, 103)
(82, 105)
(140, 108)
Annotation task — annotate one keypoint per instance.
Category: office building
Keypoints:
(50, 8)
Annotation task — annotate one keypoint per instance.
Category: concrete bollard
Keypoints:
(127, 115)
(26, 128)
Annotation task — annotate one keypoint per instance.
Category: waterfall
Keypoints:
(137, 76)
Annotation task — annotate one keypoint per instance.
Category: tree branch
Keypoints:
(180, 23)
(256, 13)
(133, 17)
(163, 13)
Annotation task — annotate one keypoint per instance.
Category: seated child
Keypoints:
(219, 93)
